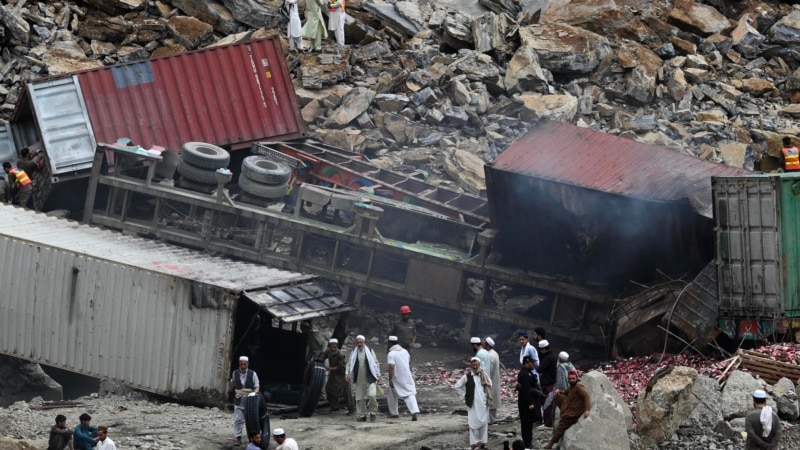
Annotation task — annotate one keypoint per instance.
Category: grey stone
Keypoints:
(524, 73)
(565, 49)
(353, 105)
(391, 102)
(698, 17)
(786, 398)
(666, 403)
(608, 422)
(787, 30)
(188, 31)
(745, 39)
(256, 13)
(737, 395)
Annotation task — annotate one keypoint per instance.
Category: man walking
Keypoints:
(405, 329)
(103, 441)
(790, 156)
(525, 392)
(60, 435)
(548, 369)
(476, 387)
(337, 388)
(20, 182)
(401, 380)
(314, 28)
(494, 374)
(573, 404)
(363, 371)
(243, 381)
(284, 443)
(85, 435)
(762, 424)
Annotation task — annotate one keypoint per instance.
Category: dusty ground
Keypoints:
(153, 424)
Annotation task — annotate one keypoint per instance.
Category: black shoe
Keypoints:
(413, 417)
(362, 419)
(350, 413)
(372, 417)
(394, 416)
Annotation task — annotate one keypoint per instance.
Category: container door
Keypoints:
(790, 239)
(8, 151)
(64, 124)
(748, 246)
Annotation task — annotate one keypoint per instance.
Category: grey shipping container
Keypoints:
(757, 226)
(153, 316)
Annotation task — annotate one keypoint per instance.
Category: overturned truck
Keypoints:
(156, 317)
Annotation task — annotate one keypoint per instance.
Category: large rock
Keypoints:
(524, 72)
(566, 49)
(608, 422)
(256, 13)
(466, 169)
(210, 12)
(190, 32)
(548, 107)
(698, 17)
(353, 105)
(737, 395)
(787, 30)
(786, 398)
(706, 413)
(666, 403)
(15, 24)
(734, 153)
(745, 38)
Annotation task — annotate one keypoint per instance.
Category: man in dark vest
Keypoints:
(243, 381)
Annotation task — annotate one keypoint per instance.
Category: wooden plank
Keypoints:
(768, 369)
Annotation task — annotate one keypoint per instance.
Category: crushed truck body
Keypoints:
(153, 316)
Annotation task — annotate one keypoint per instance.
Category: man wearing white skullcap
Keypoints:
(284, 443)
(364, 372)
(494, 374)
(476, 387)
(401, 380)
(337, 388)
(480, 353)
(243, 381)
(548, 370)
(762, 424)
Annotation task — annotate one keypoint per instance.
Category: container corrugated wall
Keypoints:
(757, 221)
(228, 95)
(99, 318)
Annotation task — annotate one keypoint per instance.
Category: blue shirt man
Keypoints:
(85, 436)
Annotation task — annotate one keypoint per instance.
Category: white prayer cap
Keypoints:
(490, 341)
(475, 340)
(361, 336)
(334, 341)
(278, 432)
(759, 393)
(543, 343)
(244, 358)
(564, 356)
(475, 358)
(392, 338)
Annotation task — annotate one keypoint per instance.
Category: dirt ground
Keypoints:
(152, 424)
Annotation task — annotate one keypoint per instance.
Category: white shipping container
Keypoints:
(152, 316)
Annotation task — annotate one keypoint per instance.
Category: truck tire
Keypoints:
(256, 416)
(253, 187)
(265, 170)
(312, 389)
(205, 156)
(196, 174)
(185, 183)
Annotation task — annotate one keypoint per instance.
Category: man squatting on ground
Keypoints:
(363, 371)
(573, 404)
(243, 381)
(476, 387)
(284, 443)
(401, 380)
(85, 435)
(60, 435)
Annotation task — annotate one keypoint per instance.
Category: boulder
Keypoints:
(745, 39)
(189, 32)
(256, 13)
(666, 403)
(524, 72)
(787, 30)
(705, 408)
(548, 107)
(14, 24)
(697, 17)
(391, 102)
(734, 153)
(565, 49)
(608, 422)
(737, 395)
(786, 398)
(356, 102)
(466, 169)
(210, 12)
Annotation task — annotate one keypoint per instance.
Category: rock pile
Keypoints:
(446, 86)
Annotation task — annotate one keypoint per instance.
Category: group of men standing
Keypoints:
(314, 28)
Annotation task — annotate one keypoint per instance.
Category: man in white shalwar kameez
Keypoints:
(293, 32)
(364, 372)
(476, 387)
(494, 374)
(401, 380)
(336, 19)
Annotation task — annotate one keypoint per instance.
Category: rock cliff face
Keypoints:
(421, 80)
